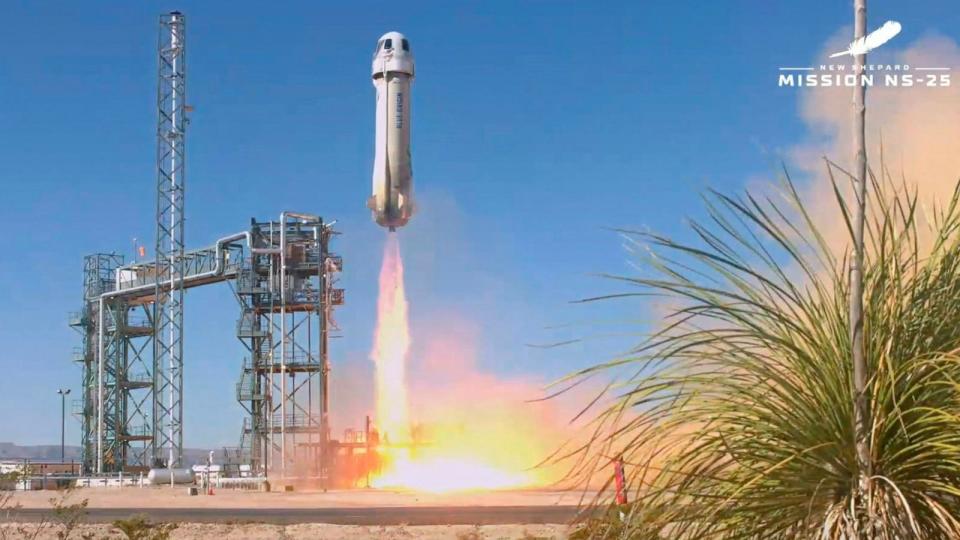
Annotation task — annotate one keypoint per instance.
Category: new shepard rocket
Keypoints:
(392, 71)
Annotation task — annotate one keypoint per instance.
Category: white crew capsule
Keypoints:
(392, 71)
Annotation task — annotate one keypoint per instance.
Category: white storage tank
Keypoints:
(162, 476)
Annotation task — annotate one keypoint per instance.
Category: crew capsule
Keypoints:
(392, 71)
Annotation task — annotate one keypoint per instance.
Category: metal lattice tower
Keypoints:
(168, 305)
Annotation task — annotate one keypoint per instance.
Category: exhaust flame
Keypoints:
(391, 344)
(449, 463)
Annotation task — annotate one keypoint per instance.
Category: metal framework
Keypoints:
(98, 273)
(117, 332)
(286, 297)
(283, 291)
(167, 393)
(282, 273)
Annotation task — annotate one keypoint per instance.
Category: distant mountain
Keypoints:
(46, 452)
(51, 452)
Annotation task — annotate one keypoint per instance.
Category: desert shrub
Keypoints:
(139, 527)
(737, 420)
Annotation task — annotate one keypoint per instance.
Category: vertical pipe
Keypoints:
(100, 388)
(310, 374)
(268, 442)
(63, 426)
(323, 311)
(283, 345)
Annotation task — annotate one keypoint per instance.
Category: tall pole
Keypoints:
(860, 375)
(63, 421)
(168, 302)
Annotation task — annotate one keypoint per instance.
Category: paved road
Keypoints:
(393, 515)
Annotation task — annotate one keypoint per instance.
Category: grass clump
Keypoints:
(138, 527)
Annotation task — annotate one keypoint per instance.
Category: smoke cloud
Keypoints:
(916, 131)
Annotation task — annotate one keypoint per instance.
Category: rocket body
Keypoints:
(393, 73)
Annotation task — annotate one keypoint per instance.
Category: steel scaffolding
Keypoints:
(287, 296)
(98, 275)
(283, 291)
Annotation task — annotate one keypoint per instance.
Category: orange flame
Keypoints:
(451, 463)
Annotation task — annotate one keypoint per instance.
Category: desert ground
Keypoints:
(256, 515)
(177, 497)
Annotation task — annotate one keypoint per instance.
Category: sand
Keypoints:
(167, 497)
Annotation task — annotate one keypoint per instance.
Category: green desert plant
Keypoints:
(737, 420)
(9, 480)
(67, 514)
(138, 527)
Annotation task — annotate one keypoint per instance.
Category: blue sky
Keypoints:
(536, 127)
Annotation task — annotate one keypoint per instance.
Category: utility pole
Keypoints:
(861, 405)
(63, 415)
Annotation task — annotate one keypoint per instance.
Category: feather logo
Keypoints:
(872, 40)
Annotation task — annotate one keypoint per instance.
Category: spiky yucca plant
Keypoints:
(738, 422)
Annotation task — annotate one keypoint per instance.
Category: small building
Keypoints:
(25, 474)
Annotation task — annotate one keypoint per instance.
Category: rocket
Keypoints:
(392, 72)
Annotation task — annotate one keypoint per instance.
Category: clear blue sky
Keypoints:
(535, 126)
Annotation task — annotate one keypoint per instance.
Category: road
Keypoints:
(388, 515)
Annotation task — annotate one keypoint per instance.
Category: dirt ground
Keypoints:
(177, 497)
(197, 531)
(167, 497)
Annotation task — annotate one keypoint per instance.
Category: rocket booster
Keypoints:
(392, 72)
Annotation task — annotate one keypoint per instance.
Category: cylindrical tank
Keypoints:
(162, 476)
(393, 73)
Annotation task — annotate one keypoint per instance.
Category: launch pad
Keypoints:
(283, 275)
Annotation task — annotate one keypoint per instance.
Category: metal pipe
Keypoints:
(268, 444)
(283, 345)
(100, 387)
(323, 303)
(217, 269)
(63, 424)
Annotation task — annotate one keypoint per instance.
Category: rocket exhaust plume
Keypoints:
(391, 344)
(451, 463)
